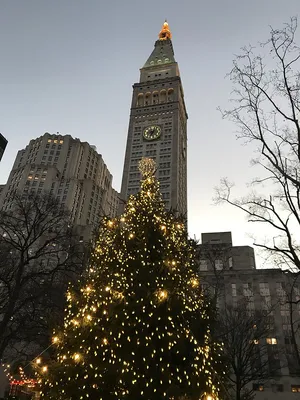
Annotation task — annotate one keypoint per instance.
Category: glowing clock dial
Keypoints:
(152, 132)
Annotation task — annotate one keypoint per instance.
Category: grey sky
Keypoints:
(68, 66)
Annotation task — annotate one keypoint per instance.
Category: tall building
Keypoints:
(3, 143)
(231, 271)
(158, 126)
(71, 170)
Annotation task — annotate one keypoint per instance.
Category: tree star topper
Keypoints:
(147, 167)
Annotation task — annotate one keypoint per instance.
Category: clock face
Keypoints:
(152, 132)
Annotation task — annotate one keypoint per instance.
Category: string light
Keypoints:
(76, 357)
(194, 282)
(136, 305)
(162, 295)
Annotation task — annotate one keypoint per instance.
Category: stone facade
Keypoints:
(231, 270)
(71, 170)
(158, 102)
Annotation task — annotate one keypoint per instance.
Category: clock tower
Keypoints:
(158, 126)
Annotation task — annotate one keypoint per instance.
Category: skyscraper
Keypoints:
(158, 126)
(70, 170)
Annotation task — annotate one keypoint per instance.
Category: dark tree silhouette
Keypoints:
(266, 96)
(39, 254)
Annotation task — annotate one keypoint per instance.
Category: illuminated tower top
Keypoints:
(163, 53)
(165, 32)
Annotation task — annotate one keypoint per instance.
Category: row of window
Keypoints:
(276, 387)
(53, 146)
(164, 172)
(60, 141)
(158, 75)
(51, 152)
(166, 124)
(154, 117)
(146, 116)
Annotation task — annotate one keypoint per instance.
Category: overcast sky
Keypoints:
(68, 66)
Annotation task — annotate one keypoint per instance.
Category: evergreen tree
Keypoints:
(138, 328)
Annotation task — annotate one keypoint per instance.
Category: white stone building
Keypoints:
(69, 169)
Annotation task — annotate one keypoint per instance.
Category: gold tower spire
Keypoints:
(165, 32)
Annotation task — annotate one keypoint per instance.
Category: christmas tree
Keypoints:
(138, 328)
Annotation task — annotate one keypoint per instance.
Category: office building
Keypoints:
(69, 169)
(231, 271)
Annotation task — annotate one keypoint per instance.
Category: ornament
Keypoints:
(147, 167)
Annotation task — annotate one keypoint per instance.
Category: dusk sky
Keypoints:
(68, 66)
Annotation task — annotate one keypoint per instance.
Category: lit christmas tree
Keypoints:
(138, 328)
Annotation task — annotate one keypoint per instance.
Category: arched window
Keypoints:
(147, 99)
(163, 96)
(140, 100)
(170, 94)
(155, 97)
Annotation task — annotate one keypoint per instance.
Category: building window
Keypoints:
(247, 290)
(203, 265)
(295, 388)
(258, 387)
(271, 340)
(277, 387)
(219, 265)
(264, 289)
(233, 289)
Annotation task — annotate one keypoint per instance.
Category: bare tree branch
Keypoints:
(39, 255)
